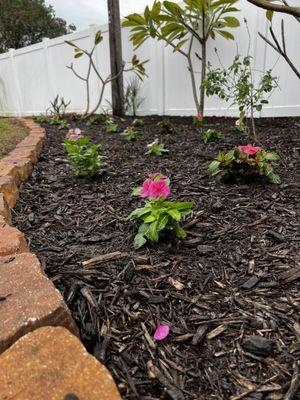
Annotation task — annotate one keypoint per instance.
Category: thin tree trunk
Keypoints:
(203, 77)
(116, 61)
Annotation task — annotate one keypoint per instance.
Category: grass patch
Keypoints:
(10, 135)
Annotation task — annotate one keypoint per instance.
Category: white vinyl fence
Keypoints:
(31, 76)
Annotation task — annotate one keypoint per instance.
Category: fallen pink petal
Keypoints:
(162, 331)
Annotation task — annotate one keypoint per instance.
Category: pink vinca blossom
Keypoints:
(237, 122)
(250, 150)
(162, 331)
(145, 191)
(199, 116)
(159, 188)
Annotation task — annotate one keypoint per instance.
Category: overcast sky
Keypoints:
(85, 12)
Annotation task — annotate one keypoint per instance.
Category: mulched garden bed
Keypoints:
(229, 291)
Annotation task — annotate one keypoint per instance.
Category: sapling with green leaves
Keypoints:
(83, 156)
(184, 28)
(136, 66)
(245, 163)
(156, 148)
(130, 134)
(63, 125)
(236, 84)
(211, 135)
(158, 216)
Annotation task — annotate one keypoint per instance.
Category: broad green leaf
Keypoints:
(152, 233)
(272, 157)
(226, 34)
(139, 241)
(175, 214)
(213, 166)
(232, 22)
(162, 222)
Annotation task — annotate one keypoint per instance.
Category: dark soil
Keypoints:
(229, 291)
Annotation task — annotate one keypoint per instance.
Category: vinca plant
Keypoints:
(156, 148)
(185, 28)
(111, 126)
(158, 216)
(138, 123)
(211, 135)
(166, 126)
(130, 134)
(198, 120)
(245, 163)
(83, 156)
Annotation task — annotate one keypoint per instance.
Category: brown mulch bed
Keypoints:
(229, 291)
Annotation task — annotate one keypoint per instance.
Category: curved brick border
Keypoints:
(37, 333)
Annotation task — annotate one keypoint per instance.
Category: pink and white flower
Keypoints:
(250, 150)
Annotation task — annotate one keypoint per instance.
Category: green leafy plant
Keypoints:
(130, 134)
(237, 85)
(245, 163)
(111, 126)
(83, 156)
(156, 148)
(137, 123)
(211, 135)
(184, 28)
(132, 99)
(41, 119)
(166, 126)
(63, 125)
(198, 120)
(54, 120)
(158, 216)
(135, 65)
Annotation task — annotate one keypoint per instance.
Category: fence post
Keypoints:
(16, 82)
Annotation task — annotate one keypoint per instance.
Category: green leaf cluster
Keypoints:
(174, 24)
(158, 216)
(111, 126)
(236, 166)
(211, 135)
(83, 156)
(166, 126)
(156, 148)
(236, 84)
(130, 134)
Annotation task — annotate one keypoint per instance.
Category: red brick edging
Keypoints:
(37, 333)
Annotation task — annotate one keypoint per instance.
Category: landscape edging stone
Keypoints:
(15, 168)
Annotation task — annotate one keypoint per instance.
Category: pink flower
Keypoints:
(250, 150)
(162, 331)
(77, 131)
(145, 191)
(237, 122)
(199, 116)
(159, 188)
(153, 176)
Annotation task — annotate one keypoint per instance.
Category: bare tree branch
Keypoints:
(283, 8)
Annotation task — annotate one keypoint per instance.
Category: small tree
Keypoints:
(236, 84)
(135, 65)
(194, 23)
